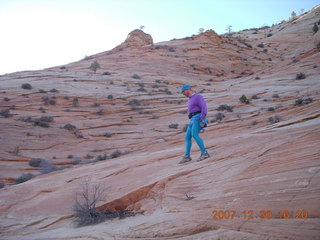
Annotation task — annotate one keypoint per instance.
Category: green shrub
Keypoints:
(94, 66)
(244, 99)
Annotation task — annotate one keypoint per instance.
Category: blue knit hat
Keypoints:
(185, 87)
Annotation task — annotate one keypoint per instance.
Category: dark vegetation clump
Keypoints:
(26, 86)
(24, 177)
(300, 76)
(47, 101)
(219, 117)
(108, 135)
(5, 113)
(70, 127)
(174, 125)
(303, 101)
(255, 97)
(36, 162)
(276, 119)
(225, 107)
(136, 76)
(135, 104)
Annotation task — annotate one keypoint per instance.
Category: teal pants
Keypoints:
(193, 132)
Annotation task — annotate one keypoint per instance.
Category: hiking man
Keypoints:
(197, 110)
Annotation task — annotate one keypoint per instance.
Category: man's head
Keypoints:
(186, 90)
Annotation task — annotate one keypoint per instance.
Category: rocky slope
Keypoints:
(265, 154)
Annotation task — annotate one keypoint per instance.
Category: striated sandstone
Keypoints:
(265, 155)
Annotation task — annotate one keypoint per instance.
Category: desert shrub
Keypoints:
(135, 104)
(171, 49)
(53, 90)
(36, 162)
(108, 135)
(315, 28)
(40, 123)
(75, 102)
(95, 105)
(275, 96)
(255, 97)
(174, 125)
(136, 76)
(116, 154)
(300, 76)
(269, 35)
(141, 89)
(46, 119)
(270, 109)
(244, 99)
(47, 101)
(303, 101)
(47, 167)
(100, 112)
(110, 97)
(102, 157)
(2, 185)
(6, 99)
(70, 127)
(106, 73)
(225, 107)
(42, 91)
(26, 86)
(5, 113)
(24, 177)
(276, 119)
(260, 45)
(219, 116)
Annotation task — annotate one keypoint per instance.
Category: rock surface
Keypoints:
(265, 154)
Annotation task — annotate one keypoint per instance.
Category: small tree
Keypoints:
(229, 28)
(94, 66)
(201, 30)
(293, 15)
(141, 27)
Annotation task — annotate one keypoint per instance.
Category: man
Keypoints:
(197, 109)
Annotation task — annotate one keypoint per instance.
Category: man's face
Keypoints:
(187, 93)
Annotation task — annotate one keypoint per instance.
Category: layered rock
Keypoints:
(264, 167)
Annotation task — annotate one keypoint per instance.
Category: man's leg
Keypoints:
(195, 134)
(188, 139)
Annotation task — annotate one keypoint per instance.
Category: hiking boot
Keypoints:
(185, 159)
(203, 156)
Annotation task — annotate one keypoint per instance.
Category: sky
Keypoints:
(36, 34)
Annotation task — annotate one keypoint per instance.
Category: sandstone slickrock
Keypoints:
(265, 154)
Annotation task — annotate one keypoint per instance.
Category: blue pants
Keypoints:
(193, 132)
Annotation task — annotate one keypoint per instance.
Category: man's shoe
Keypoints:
(203, 156)
(185, 159)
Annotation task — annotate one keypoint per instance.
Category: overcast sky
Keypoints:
(36, 34)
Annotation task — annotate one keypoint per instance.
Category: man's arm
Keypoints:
(203, 105)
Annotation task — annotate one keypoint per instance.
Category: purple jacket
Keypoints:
(196, 103)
